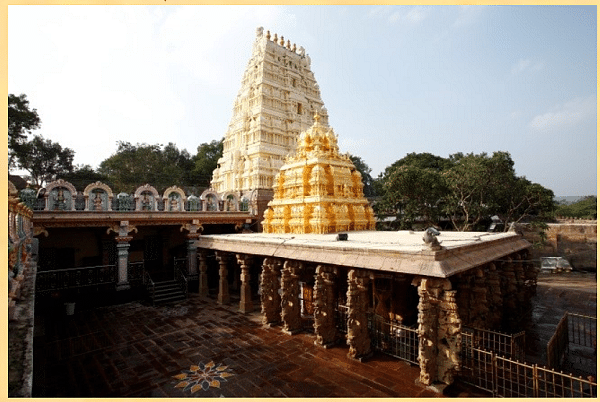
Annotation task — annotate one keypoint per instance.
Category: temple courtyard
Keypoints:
(136, 350)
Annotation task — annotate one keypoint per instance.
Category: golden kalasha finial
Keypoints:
(288, 44)
(275, 38)
(294, 48)
(281, 42)
(268, 35)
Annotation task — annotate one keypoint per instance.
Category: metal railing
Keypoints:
(573, 331)
(559, 343)
(505, 377)
(182, 280)
(72, 278)
(341, 318)
(393, 338)
(306, 299)
(582, 330)
(512, 345)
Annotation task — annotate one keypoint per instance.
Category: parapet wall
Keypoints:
(571, 238)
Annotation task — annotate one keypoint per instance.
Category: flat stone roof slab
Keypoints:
(402, 251)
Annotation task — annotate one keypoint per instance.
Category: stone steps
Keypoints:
(166, 292)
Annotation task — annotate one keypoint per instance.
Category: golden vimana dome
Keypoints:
(317, 190)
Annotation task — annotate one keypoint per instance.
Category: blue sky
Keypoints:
(394, 79)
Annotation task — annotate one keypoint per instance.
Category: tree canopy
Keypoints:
(584, 208)
(161, 166)
(467, 190)
(205, 161)
(44, 159)
(21, 121)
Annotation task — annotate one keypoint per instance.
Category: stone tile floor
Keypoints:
(135, 350)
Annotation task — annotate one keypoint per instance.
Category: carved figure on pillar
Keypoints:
(324, 306)
(439, 331)
(270, 301)
(449, 338)
(290, 304)
(223, 297)
(358, 332)
(245, 262)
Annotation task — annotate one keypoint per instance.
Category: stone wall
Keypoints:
(574, 239)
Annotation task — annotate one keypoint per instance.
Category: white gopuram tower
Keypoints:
(278, 99)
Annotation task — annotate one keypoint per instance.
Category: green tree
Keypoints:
(477, 185)
(44, 160)
(205, 161)
(466, 189)
(135, 165)
(584, 208)
(412, 194)
(423, 160)
(21, 121)
(524, 200)
(365, 172)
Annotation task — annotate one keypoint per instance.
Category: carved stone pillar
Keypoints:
(223, 297)
(439, 331)
(325, 306)
(358, 332)
(270, 301)
(290, 304)
(122, 230)
(192, 248)
(245, 262)
(202, 276)
(122, 261)
(449, 338)
(192, 256)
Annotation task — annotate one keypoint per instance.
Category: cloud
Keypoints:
(568, 114)
(526, 65)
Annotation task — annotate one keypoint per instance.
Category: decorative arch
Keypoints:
(56, 199)
(230, 202)
(174, 199)
(106, 197)
(210, 200)
(146, 198)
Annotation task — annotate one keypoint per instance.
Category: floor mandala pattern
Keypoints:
(203, 376)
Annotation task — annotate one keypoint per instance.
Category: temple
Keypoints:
(318, 265)
(324, 269)
(276, 102)
(318, 190)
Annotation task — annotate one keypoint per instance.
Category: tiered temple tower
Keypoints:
(277, 100)
(318, 190)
